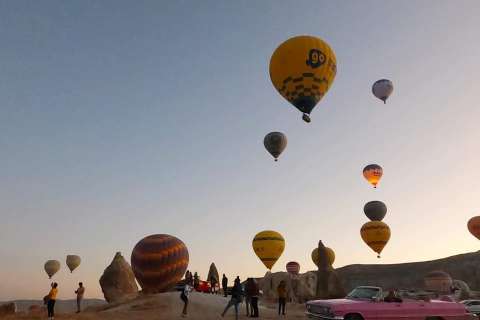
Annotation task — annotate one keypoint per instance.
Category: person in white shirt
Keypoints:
(80, 291)
(184, 296)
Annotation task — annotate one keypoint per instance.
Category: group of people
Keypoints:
(250, 291)
(51, 298)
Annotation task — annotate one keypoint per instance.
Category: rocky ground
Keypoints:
(168, 306)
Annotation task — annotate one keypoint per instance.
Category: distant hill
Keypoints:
(465, 267)
(62, 306)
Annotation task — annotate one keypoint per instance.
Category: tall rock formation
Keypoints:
(329, 284)
(118, 281)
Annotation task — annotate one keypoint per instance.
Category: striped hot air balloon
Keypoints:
(268, 246)
(293, 267)
(376, 235)
(159, 261)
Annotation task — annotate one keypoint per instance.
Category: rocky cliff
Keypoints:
(465, 267)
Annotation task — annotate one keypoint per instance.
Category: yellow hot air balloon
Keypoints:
(330, 256)
(302, 69)
(73, 262)
(51, 267)
(373, 173)
(376, 235)
(268, 246)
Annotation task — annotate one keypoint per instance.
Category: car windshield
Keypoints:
(363, 293)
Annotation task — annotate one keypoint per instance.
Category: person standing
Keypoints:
(251, 297)
(236, 298)
(224, 284)
(196, 280)
(213, 284)
(80, 291)
(52, 298)
(184, 296)
(282, 297)
(189, 278)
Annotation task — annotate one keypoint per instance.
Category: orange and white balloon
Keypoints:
(373, 173)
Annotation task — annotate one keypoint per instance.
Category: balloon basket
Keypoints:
(306, 118)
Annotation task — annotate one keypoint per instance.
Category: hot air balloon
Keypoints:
(382, 89)
(268, 246)
(376, 235)
(474, 226)
(330, 256)
(275, 143)
(73, 262)
(302, 69)
(373, 173)
(293, 267)
(375, 210)
(159, 261)
(51, 267)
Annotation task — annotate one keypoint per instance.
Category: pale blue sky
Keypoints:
(120, 119)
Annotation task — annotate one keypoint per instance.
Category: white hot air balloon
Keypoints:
(382, 89)
(73, 262)
(51, 267)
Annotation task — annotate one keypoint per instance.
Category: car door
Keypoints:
(407, 309)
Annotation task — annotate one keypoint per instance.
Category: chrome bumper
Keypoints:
(319, 316)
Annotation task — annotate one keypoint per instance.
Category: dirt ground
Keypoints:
(168, 306)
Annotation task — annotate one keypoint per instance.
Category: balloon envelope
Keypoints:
(382, 89)
(51, 267)
(275, 143)
(474, 226)
(268, 246)
(73, 262)
(330, 256)
(373, 173)
(302, 69)
(159, 261)
(293, 267)
(376, 235)
(375, 210)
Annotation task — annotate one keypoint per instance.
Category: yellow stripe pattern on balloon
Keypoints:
(376, 235)
(268, 246)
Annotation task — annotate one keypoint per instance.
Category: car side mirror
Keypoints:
(376, 299)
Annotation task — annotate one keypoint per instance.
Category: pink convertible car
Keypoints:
(366, 303)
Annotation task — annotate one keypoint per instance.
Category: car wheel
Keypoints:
(353, 317)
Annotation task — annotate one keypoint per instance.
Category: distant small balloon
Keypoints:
(73, 261)
(375, 210)
(51, 267)
(373, 173)
(382, 89)
(293, 267)
(275, 143)
(474, 226)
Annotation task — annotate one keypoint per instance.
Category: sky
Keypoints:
(121, 119)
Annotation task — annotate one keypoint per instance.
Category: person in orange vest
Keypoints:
(52, 298)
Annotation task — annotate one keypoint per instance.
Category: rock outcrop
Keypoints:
(8, 309)
(213, 273)
(118, 281)
(300, 288)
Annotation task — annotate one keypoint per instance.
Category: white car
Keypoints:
(473, 306)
